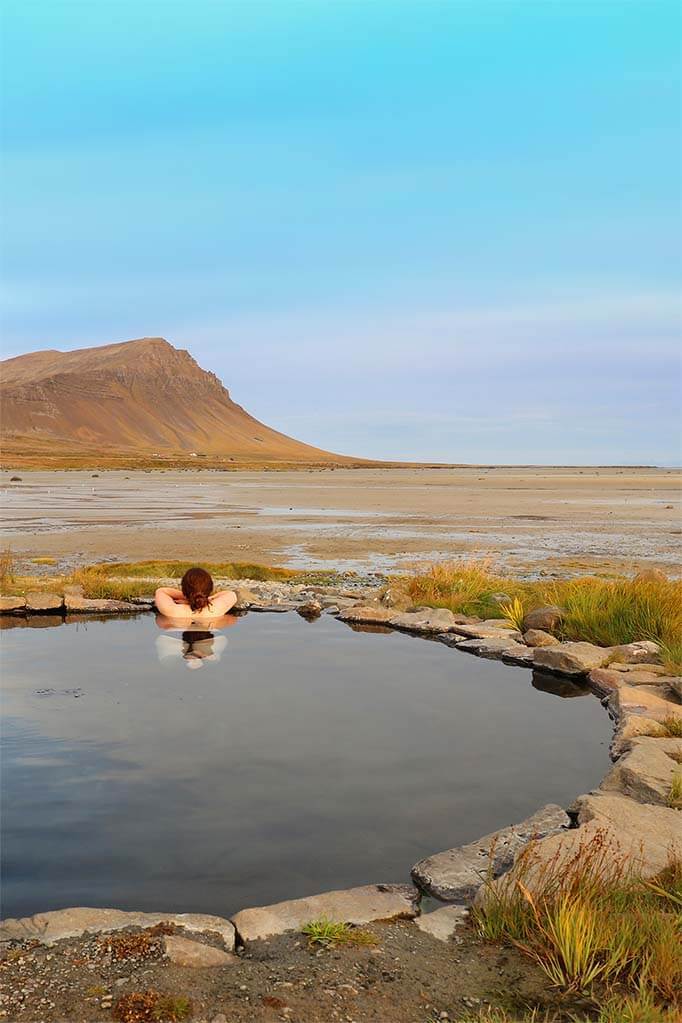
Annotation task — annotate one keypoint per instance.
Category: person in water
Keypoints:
(195, 601)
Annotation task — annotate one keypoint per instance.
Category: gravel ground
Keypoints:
(406, 977)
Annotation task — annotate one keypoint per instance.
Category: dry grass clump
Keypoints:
(151, 1007)
(126, 945)
(672, 726)
(607, 612)
(6, 569)
(595, 927)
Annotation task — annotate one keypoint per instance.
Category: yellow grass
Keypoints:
(607, 612)
(594, 926)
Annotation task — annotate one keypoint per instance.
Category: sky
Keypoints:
(440, 230)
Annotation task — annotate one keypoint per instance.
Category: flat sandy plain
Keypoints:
(528, 520)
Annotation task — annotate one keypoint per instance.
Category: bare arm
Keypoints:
(167, 600)
(222, 601)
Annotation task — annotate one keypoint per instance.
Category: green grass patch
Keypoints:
(328, 933)
(675, 794)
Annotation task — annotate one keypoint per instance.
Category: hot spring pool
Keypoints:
(299, 757)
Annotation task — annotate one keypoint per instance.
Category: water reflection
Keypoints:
(196, 645)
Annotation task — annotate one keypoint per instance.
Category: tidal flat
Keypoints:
(528, 520)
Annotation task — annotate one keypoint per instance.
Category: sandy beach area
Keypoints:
(528, 520)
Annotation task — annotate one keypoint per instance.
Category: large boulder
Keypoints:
(352, 906)
(37, 601)
(571, 658)
(635, 836)
(9, 605)
(456, 874)
(72, 923)
(643, 651)
(646, 770)
(546, 618)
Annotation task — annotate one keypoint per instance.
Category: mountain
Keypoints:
(141, 397)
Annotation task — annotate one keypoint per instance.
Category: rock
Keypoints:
(442, 923)
(500, 598)
(455, 874)
(272, 608)
(643, 700)
(497, 650)
(352, 906)
(649, 835)
(636, 653)
(72, 923)
(245, 598)
(639, 836)
(431, 619)
(367, 613)
(37, 601)
(604, 681)
(310, 610)
(635, 677)
(650, 575)
(486, 630)
(645, 771)
(92, 605)
(675, 685)
(147, 601)
(538, 637)
(653, 669)
(545, 618)
(220, 1018)
(185, 952)
(570, 658)
(633, 726)
(8, 605)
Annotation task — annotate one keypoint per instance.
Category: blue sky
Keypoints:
(396, 228)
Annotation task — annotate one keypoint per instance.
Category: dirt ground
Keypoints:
(406, 977)
(553, 521)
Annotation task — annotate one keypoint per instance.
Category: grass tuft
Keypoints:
(594, 926)
(328, 933)
(514, 613)
(675, 794)
(672, 726)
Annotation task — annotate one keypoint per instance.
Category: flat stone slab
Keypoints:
(571, 658)
(645, 771)
(487, 631)
(36, 601)
(434, 619)
(646, 701)
(185, 952)
(498, 650)
(443, 923)
(456, 874)
(367, 613)
(72, 923)
(352, 906)
(75, 604)
(653, 669)
(11, 604)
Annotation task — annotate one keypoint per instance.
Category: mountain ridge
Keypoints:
(141, 396)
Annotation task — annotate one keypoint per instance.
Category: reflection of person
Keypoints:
(194, 646)
(195, 601)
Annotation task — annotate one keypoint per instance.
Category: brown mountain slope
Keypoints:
(139, 397)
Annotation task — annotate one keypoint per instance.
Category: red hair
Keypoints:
(197, 587)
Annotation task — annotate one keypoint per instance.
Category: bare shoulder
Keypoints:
(223, 600)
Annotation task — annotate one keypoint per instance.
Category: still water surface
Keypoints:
(278, 758)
